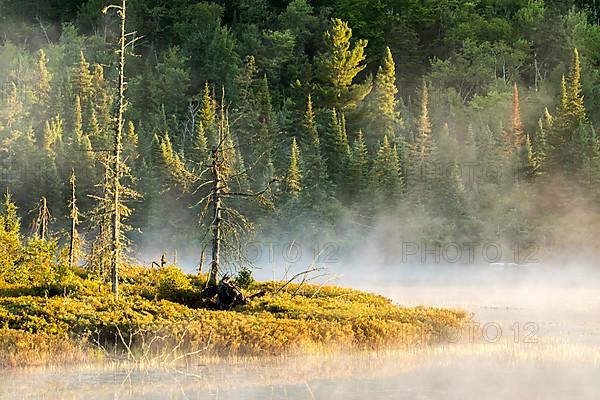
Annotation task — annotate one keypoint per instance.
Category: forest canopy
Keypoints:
(433, 121)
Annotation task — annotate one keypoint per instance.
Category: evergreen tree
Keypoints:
(130, 145)
(576, 107)
(10, 238)
(335, 148)
(264, 148)
(540, 147)
(385, 114)
(386, 172)
(310, 124)
(42, 87)
(339, 66)
(294, 175)
(77, 121)
(315, 174)
(517, 133)
(13, 108)
(206, 128)
(359, 172)
(102, 100)
(561, 134)
(533, 160)
(423, 141)
(82, 79)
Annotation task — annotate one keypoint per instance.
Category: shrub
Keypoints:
(174, 285)
(244, 278)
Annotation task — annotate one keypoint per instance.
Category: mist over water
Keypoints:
(535, 334)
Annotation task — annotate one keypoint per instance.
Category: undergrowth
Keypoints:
(161, 315)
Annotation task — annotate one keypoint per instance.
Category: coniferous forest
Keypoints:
(429, 121)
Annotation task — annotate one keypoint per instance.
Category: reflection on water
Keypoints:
(556, 356)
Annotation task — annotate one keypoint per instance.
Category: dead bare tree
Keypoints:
(74, 217)
(116, 162)
(223, 174)
(40, 225)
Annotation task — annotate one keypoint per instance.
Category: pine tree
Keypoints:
(315, 179)
(335, 148)
(10, 238)
(310, 124)
(340, 64)
(359, 172)
(423, 141)
(548, 119)
(561, 133)
(13, 108)
(43, 81)
(77, 120)
(294, 175)
(541, 143)
(576, 107)
(102, 100)
(386, 172)
(208, 111)
(448, 146)
(265, 138)
(130, 147)
(82, 80)
(387, 118)
(532, 160)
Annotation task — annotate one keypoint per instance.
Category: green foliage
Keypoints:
(340, 64)
(298, 319)
(284, 68)
(10, 239)
(293, 177)
(173, 284)
(244, 278)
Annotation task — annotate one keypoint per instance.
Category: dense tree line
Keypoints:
(451, 121)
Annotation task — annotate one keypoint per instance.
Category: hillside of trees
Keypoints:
(423, 121)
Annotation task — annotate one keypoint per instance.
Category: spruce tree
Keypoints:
(576, 107)
(294, 175)
(130, 146)
(13, 108)
(335, 148)
(423, 140)
(42, 87)
(386, 172)
(264, 154)
(82, 79)
(102, 100)
(385, 114)
(559, 140)
(77, 121)
(310, 124)
(315, 179)
(206, 125)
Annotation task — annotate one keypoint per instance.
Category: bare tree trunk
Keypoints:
(40, 225)
(116, 225)
(44, 219)
(216, 222)
(74, 218)
(202, 255)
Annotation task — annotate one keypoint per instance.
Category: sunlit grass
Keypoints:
(155, 322)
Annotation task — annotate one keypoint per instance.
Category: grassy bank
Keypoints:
(162, 317)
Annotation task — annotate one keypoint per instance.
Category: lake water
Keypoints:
(538, 337)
